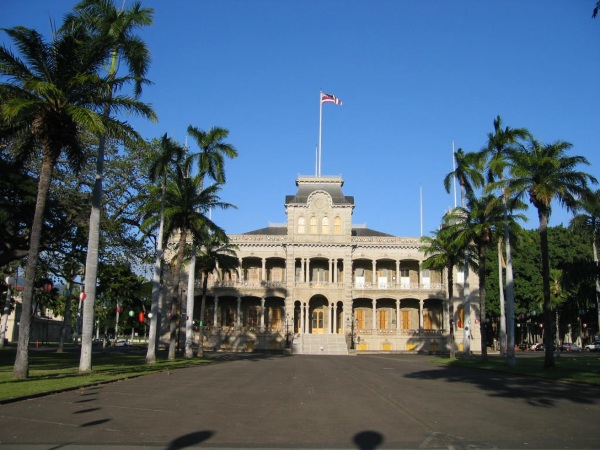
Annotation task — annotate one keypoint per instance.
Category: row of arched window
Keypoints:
(323, 228)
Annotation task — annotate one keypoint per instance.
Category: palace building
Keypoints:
(320, 284)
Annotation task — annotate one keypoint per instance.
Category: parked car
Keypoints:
(539, 347)
(593, 347)
(568, 347)
(121, 343)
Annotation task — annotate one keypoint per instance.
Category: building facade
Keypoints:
(320, 284)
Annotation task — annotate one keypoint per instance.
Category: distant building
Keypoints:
(323, 285)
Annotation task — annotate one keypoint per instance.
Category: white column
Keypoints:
(302, 271)
(307, 266)
(301, 318)
(374, 281)
(239, 311)
(241, 268)
(330, 319)
(330, 271)
(261, 323)
(398, 315)
(335, 270)
(374, 314)
(397, 272)
(420, 315)
(263, 270)
(335, 327)
(215, 317)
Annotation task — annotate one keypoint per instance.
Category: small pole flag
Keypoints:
(323, 98)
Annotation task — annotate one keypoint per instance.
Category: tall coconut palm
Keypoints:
(468, 174)
(186, 209)
(588, 221)
(443, 253)
(499, 145)
(48, 100)
(216, 252)
(113, 28)
(545, 174)
(211, 163)
(484, 219)
(168, 155)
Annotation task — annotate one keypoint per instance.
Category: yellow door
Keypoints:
(317, 322)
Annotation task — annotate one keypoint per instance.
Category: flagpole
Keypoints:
(320, 125)
(454, 172)
(421, 207)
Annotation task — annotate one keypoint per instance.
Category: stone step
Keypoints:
(319, 344)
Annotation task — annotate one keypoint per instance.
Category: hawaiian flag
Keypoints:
(328, 98)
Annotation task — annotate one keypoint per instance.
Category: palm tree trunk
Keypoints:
(502, 331)
(156, 286)
(202, 311)
(21, 366)
(189, 320)
(595, 250)
(510, 292)
(174, 307)
(66, 324)
(91, 262)
(450, 281)
(548, 316)
(482, 305)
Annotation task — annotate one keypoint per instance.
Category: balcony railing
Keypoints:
(249, 284)
(399, 332)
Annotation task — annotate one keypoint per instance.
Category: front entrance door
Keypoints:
(317, 322)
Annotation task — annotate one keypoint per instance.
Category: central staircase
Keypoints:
(319, 344)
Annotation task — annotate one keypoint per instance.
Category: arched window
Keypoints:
(301, 225)
(325, 225)
(313, 225)
(337, 225)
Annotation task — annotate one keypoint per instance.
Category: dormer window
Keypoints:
(337, 225)
(301, 225)
(325, 225)
(313, 225)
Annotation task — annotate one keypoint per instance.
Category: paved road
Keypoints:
(260, 401)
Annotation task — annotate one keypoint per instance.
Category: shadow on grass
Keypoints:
(536, 391)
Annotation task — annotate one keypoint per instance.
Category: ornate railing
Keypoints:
(326, 284)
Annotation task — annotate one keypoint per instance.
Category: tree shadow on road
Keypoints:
(534, 391)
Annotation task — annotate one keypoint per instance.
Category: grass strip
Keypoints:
(574, 369)
(53, 372)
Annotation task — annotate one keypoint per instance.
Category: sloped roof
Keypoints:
(272, 231)
(363, 232)
(333, 188)
(282, 231)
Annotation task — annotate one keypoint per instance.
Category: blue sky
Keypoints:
(413, 76)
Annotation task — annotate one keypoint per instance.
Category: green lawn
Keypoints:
(580, 368)
(50, 371)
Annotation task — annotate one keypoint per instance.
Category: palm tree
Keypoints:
(112, 28)
(169, 154)
(48, 101)
(498, 147)
(215, 253)
(588, 221)
(211, 163)
(443, 253)
(468, 173)
(545, 173)
(186, 208)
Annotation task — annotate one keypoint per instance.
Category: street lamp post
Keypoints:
(351, 318)
(287, 331)
(10, 281)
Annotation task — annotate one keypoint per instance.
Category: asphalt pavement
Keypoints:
(311, 402)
